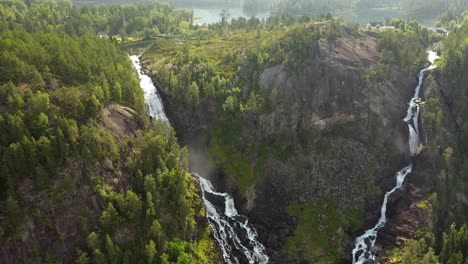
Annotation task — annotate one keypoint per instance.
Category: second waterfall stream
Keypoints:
(363, 249)
(235, 236)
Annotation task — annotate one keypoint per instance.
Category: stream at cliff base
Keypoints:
(364, 245)
(232, 231)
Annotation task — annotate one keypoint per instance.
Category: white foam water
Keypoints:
(152, 97)
(364, 244)
(231, 230)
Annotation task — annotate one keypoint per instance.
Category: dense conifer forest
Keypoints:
(58, 79)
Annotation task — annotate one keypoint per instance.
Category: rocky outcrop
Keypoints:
(331, 88)
(123, 120)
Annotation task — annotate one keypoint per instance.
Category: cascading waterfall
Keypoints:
(152, 97)
(231, 230)
(364, 244)
(236, 238)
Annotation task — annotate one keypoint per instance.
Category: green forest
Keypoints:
(83, 164)
(57, 79)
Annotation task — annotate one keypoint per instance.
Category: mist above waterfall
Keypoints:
(201, 162)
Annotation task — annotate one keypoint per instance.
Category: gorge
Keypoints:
(235, 236)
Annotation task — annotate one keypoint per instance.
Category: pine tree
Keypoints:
(151, 252)
(14, 214)
(109, 218)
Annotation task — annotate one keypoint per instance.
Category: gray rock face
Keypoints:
(331, 89)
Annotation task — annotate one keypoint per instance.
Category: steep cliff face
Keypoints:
(345, 138)
(324, 91)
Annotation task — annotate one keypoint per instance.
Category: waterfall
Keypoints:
(413, 140)
(235, 236)
(366, 242)
(231, 230)
(152, 97)
(363, 249)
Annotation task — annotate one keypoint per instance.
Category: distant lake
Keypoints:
(208, 11)
(208, 16)
(211, 14)
(363, 17)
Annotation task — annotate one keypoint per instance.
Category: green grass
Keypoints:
(118, 38)
(235, 157)
(424, 204)
(214, 49)
(353, 219)
(312, 240)
(245, 181)
(137, 47)
(320, 230)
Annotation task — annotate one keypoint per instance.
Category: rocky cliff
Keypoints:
(355, 142)
(333, 139)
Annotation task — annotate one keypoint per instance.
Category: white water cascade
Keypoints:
(231, 230)
(236, 238)
(363, 249)
(152, 98)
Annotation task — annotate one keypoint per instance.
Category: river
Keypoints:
(235, 236)
(364, 245)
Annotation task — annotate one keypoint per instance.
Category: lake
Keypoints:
(363, 17)
(208, 11)
(208, 14)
